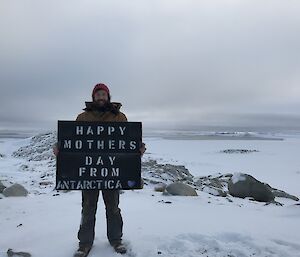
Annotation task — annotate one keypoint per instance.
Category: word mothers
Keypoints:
(111, 144)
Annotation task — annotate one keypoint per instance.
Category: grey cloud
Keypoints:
(166, 61)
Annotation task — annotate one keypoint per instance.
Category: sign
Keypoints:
(98, 155)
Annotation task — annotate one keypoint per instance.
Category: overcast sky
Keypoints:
(214, 62)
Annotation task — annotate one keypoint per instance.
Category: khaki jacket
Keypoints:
(92, 114)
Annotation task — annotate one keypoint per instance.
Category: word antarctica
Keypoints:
(100, 144)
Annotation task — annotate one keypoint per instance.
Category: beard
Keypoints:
(101, 106)
(101, 103)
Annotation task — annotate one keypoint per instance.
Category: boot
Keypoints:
(82, 251)
(119, 247)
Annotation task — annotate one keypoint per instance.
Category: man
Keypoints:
(101, 109)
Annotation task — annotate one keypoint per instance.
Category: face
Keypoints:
(101, 97)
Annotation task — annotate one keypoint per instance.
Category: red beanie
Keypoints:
(100, 86)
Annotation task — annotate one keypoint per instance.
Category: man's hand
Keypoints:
(143, 148)
(55, 149)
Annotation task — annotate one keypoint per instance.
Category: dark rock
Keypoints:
(242, 151)
(46, 183)
(2, 187)
(162, 201)
(244, 185)
(11, 253)
(281, 193)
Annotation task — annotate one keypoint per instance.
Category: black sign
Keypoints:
(98, 155)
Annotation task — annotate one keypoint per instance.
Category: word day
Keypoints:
(99, 171)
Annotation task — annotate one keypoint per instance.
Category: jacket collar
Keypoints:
(113, 107)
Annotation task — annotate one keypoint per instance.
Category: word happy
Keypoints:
(100, 130)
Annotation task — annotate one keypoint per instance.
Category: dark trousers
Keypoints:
(114, 222)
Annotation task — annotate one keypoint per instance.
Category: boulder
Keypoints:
(15, 190)
(2, 187)
(244, 185)
(178, 188)
(160, 187)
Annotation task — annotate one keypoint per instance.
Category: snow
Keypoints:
(210, 190)
(277, 162)
(237, 176)
(206, 225)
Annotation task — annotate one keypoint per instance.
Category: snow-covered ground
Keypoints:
(276, 162)
(45, 223)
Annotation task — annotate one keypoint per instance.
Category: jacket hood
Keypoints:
(113, 107)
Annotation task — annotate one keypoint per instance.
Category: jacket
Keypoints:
(93, 113)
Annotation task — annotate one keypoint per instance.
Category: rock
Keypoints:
(160, 187)
(154, 172)
(244, 185)
(2, 155)
(243, 151)
(39, 148)
(11, 253)
(281, 193)
(214, 191)
(15, 190)
(46, 183)
(162, 201)
(2, 187)
(178, 188)
(216, 184)
(274, 202)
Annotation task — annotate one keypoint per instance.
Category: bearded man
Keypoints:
(101, 109)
